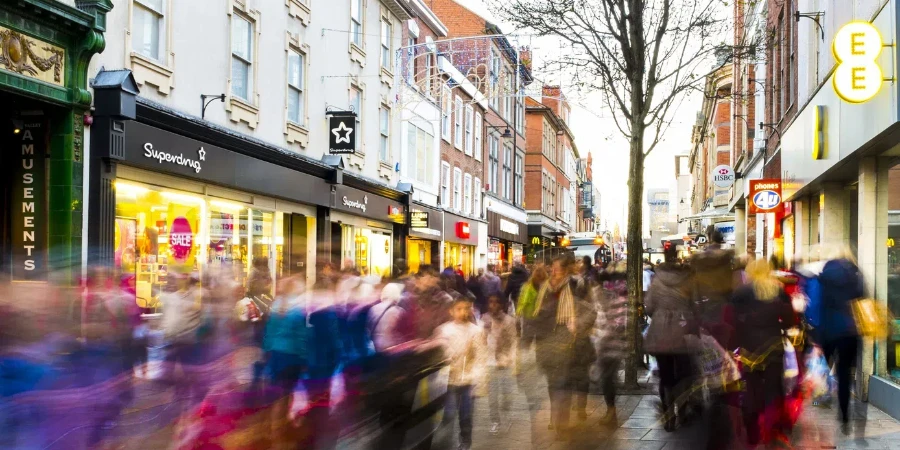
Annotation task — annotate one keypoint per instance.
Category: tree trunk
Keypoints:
(635, 252)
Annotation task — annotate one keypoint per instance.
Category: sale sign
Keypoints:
(183, 224)
(765, 197)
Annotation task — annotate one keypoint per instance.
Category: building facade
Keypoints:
(549, 163)
(248, 176)
(500, 71)
(44, 86)
(830, 141)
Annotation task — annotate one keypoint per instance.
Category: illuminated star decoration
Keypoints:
(202, 154)
(341, 129)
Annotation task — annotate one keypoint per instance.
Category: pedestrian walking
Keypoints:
(517, 278)
(464, 345)
(669, 303)
(613, 343)
(760, 313)
(553, 326)
(841, 283)
(500, 338)
(583, 352)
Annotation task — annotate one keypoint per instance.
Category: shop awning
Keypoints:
(716, 213)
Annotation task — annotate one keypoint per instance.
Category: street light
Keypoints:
(506, 133)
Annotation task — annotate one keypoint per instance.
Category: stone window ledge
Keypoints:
(298, 9)
(295, 133)
(387, 77)
(241, 111)
(148, 71)
(357, 55)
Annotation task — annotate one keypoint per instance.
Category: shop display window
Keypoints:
(893, 276)
(156, 233)
(160, 231)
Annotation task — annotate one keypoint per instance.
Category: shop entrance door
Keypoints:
(296, 242)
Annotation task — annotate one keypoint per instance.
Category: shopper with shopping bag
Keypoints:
(760, 312)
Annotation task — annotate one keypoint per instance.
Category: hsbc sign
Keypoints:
(723, 176)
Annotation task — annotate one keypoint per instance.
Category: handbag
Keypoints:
(791, 368)
(872, 318)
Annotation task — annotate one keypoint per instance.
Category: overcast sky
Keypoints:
(595, 132)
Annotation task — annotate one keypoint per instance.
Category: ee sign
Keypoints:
(765, 197)
(858, 76)
(723, 176)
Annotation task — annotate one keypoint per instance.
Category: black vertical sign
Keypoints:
(342, 133)
(28, 202)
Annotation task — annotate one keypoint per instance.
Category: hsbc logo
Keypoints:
(767, 200)
(723, 171)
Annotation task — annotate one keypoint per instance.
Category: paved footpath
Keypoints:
(525, 426)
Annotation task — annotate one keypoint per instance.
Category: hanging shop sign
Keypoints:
(765, 196)
(856, 47)
(29, 203)
(723, 176)
(818, 147)
(342, 138)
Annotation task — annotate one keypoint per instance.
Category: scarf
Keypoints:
(565, 311)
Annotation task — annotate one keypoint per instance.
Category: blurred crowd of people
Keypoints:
(301, 366)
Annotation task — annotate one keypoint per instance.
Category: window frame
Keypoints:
(446, 113)
(387, 31)
(445, 184)
(300, 90)
(457, 189)
(247, 60)
(479, 132)
(476, 196)
(358, 89)
(457, 123)
(519, 178)
(507, 171)
(384, 128)
(162, 29)
(494, 78)
(469, 128)
(358, 38)
(467, 193)
(493, 162)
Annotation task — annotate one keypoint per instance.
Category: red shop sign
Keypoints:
(462, 230)
(765, 196)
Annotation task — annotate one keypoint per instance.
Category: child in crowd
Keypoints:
(500, 337)
(464, 344)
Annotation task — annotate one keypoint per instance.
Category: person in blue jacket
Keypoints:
(841, 284)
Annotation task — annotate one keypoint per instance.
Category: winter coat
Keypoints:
(527, 302)
(500, 334)
(669, 303)
(286, 330)
(613, 298)
(583, 353)
(759, 324)
(464, 347)
(517, 278)
(715, 281)
(841, 284)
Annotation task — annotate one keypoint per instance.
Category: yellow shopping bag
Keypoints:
(872, 318)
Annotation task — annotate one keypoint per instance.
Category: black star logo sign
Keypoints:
(342, 129)
(202, 154)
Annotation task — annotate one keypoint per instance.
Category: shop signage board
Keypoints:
(342, 138)
(361, 203)
(29, 202)
(856, 47)
(158, 150)
(765, 196)
(818, 147)
(723, 176)
(418, 219)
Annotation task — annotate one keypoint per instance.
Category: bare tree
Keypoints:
(643, 56)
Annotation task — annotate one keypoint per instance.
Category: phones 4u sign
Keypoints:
(765, 197)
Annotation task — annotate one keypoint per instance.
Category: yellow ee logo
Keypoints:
(856, 47)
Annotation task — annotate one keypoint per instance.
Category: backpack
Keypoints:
(812, 287)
